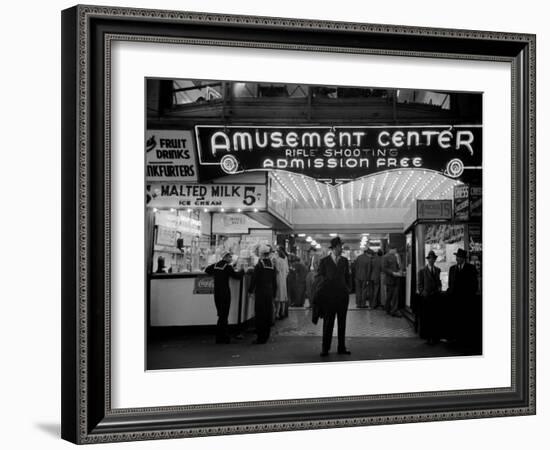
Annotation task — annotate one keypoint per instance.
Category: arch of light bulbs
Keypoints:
(394, 189)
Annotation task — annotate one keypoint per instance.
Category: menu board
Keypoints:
(177, 195)
(461, 202)
(434, 209)
(170, 156)
(475, 201)
(229, 223)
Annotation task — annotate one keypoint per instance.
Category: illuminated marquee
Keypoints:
(338, 153)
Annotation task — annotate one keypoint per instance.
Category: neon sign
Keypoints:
(338, 153)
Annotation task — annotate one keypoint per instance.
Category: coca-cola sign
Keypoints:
(204, 284)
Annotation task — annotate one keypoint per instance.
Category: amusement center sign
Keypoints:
(338, 154)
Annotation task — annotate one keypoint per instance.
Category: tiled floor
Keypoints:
(359, 323)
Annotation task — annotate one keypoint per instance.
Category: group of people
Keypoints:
(327, 282)
(367, 270)
(452, 314)
(277, 280)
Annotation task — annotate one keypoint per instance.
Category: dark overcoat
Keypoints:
(375, 268)
(429, 283)
(363, 267)
(332, 284)
(462, 283)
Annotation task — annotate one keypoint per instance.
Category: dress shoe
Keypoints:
(344, 351)
(323, 353)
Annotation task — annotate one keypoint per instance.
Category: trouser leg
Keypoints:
(309, 285)
(341, 317)
(365, 293)
(263, 326)
(392, 302)
(387, 304)
(395, 300)
(222, 333)
(328, 326)
(300, 294)
(266, 329)
(426, 319)
(375, 293)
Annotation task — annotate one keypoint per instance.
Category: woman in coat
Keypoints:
(281, 298)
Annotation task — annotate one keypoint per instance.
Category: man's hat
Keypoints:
(335, 241)
(431, 254)
(461, 253)
(226, 254)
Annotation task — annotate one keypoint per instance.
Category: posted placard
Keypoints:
(170, 156)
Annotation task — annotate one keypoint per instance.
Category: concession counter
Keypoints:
(187, 299)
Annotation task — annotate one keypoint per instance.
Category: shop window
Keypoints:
(436, 99)
(187, 92)
(244, 90)
(349, 92)
(282, 90)
(444, 239)
(324, 92)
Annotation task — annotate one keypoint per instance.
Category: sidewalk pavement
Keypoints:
(370, 335)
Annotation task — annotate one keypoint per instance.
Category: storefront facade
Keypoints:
(230, 166)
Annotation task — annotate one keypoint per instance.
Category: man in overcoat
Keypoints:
(334, 281)
(374, 279)
(429, 289)
(300, 272)
(362, 275)
(222, 271)
(462, 290)
(392, 270)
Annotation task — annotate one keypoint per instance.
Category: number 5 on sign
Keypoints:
(249, 195)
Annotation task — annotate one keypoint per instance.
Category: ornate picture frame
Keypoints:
(88, 33)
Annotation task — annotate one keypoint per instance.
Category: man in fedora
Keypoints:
(462, 290)
(429, 289)
(333, 280)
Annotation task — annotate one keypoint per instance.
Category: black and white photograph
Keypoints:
(284, 223)
(300, 223)
(279, 225)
